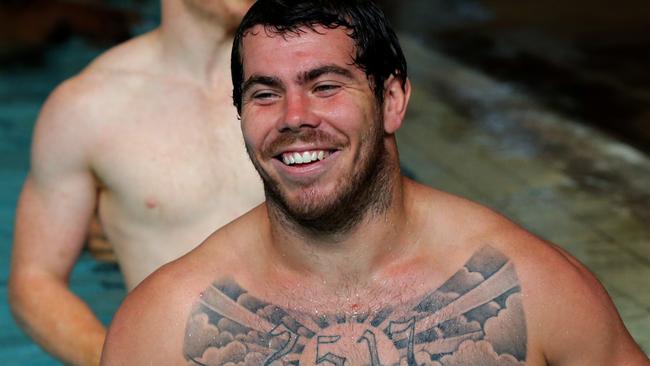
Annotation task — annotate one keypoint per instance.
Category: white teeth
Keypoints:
(304, 158)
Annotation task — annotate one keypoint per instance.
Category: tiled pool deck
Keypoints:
(465, 133)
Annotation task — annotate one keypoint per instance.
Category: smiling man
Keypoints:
(348, 262)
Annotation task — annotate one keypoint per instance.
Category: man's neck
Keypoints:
(194, 47)
(365, 250)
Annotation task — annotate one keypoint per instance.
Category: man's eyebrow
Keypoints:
(314, 74)
(263, 80)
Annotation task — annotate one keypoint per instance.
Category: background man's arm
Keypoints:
(54, 209)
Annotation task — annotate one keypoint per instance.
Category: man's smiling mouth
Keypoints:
(304, 157)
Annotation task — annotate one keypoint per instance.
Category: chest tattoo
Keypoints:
(474, 318)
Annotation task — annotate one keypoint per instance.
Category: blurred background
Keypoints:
(588, 59)
(540, 110)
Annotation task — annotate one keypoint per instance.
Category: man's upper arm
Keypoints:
(582, 324)
(59, 194)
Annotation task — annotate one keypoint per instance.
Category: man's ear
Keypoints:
(396, 100)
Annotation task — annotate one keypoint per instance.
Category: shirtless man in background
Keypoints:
(149, 132)
(349, 263)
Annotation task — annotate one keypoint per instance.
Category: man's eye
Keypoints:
(326, 89)
(265, 97)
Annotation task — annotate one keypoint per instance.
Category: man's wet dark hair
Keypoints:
(378, 52)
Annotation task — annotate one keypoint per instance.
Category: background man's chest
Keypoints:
(174, 163)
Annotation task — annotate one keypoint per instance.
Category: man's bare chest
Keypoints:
(474, 318)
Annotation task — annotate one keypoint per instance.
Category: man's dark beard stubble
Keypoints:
(368, 192)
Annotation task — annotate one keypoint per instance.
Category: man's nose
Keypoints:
(298, 113)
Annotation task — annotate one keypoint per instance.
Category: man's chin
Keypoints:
(308, 205)
(304, 204)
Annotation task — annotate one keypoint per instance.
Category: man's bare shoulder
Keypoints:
(108, 77)
(470, 226)
(139, 54)
(149, 323)
(566, 308)
(77, 108)
(455, 219)
(569, 314)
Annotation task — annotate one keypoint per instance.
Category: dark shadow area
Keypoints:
(29, 27)
(586, 59)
